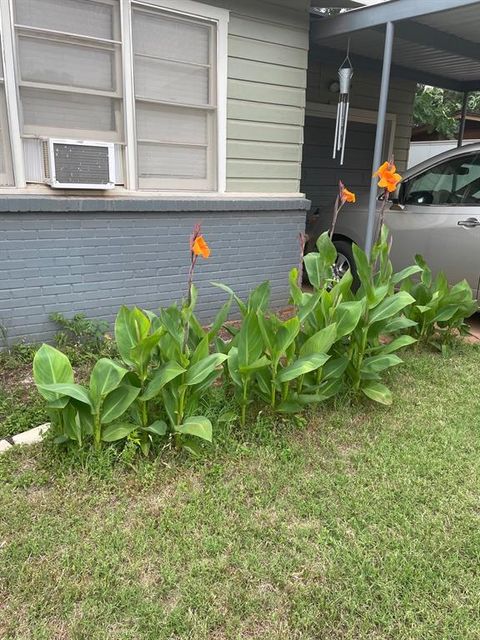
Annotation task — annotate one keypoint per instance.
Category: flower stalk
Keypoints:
(343, 196)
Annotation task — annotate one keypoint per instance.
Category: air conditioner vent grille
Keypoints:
(81, 164)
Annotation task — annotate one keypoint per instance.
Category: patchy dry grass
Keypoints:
(362, 525)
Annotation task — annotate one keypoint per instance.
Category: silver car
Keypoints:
(436, 212)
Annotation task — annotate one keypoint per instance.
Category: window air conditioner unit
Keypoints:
(81, 164)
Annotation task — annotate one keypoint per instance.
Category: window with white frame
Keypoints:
(68, 68)
(147, 75)
(175, 99)
(6, 176)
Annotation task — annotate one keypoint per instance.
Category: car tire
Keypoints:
(345, 261)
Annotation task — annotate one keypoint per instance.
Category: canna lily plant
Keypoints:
(156, 388)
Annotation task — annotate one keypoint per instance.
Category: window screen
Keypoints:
(6, 176)
(69, 68)
(175, 100)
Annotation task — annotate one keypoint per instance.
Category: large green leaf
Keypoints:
(445, 314)
(158, 428)
(131, 326)
(326, 251)
(142, 352)
(335, 367)
(364, 269)
(377, 392)
(302, 366)
(343, 286)
(313, 269)
(201, 350)
(308, 304)
(71, 424)
(165, 374)
(220, 319)
(286, 334)
(51, 366)
(398, 343)
(398, 324)
(233, 368)
(105, 377)
(69, 389)
(326, 390)
(259, 297)
(295, 290)
(117, 402)
(200, 370)
(249, 340)
(321, 341)
(319, 265)
(198, 426)
(406, 273)
(117, 431)
(258, 364)
(376, 364)
(267, 329)
(391, 306)
(171, 320)
(347, 317)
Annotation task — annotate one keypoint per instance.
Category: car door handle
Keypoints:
(469, 223)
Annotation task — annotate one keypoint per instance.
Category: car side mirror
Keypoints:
(397, 199)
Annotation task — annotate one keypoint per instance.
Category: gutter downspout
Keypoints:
(381, 117)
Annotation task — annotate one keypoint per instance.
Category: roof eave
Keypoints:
(376, 15)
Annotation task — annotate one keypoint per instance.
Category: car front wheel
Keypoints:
(345, 261)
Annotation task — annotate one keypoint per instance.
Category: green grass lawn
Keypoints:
(364, 524)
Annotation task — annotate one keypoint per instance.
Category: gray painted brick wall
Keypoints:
(94, 262)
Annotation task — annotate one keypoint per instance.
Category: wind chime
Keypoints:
(345, 74)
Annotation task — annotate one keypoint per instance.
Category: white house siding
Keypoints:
(267, 63)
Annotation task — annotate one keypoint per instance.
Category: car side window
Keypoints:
(450, 183)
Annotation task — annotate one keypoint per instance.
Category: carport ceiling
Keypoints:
(437, 42)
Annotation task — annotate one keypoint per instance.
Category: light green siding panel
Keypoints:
(268, 57)
(267, 73)
(263, 131)
(243, 110)
(266, 93)
(259, 169)
(266, 31)
(249, 49)
(271, 12)
(264, 150)
(263, 186)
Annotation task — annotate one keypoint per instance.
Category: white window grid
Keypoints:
(124, 89)
(63, 37)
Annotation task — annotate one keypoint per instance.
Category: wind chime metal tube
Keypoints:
(345, 74)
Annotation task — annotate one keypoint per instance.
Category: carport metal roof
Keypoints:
(435, 42)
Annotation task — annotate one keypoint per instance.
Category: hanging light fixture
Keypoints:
(345, 74)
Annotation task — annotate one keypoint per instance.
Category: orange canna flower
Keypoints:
(200, 247)
(388, 177)
(347, 196)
